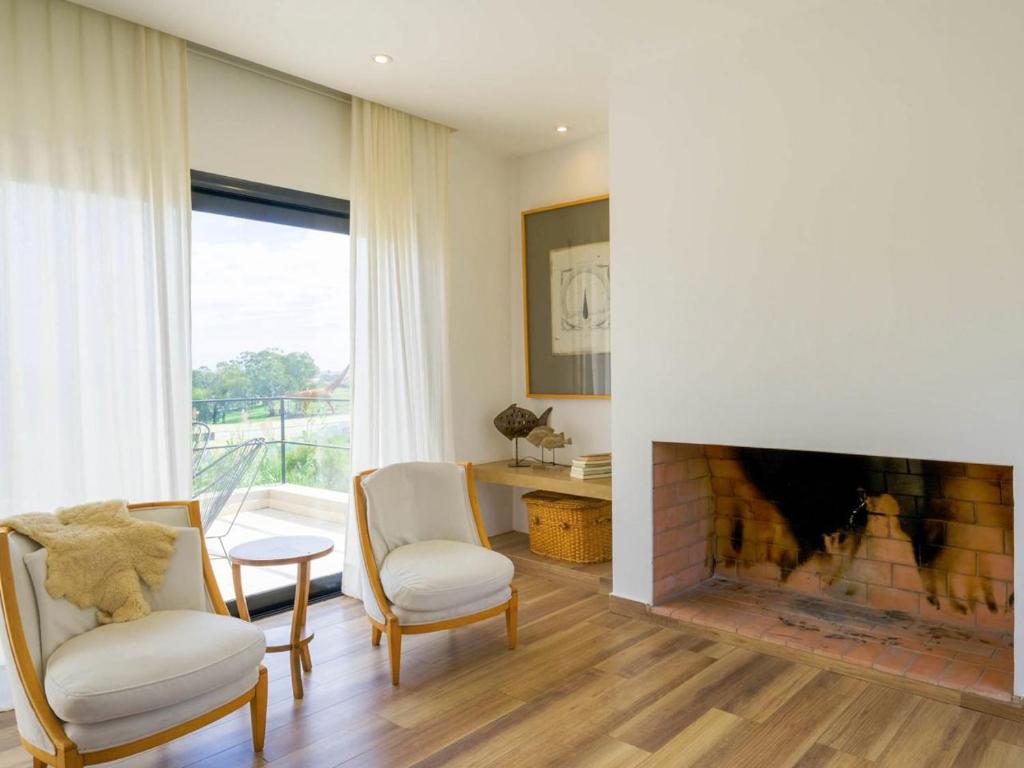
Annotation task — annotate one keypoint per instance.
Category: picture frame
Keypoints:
(566, 299)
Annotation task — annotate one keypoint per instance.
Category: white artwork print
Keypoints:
(580, 300)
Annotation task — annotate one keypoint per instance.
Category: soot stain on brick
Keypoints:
(736, 539)
(924, 522)
(817, 494)
(821, 495)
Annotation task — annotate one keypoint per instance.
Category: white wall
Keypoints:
(480, 332)
(577, 170)
(250, 126)
(817, 228)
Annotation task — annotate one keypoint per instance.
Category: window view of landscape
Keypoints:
(300, 411)
(270, 386)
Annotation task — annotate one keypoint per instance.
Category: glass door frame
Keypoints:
(228, 196)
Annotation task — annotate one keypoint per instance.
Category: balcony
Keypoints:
(300, 478)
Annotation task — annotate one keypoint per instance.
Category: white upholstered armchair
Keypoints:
(86, 694)
(428, 563)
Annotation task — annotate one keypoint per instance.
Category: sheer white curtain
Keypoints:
(94, 259)
(399, 243)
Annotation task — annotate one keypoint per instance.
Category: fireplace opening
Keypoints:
(904, 565)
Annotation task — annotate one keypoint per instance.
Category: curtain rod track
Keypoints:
(267, 72)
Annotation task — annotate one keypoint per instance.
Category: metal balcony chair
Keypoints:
(216, 483)
(201, 435)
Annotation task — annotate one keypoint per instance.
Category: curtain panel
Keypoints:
(399, 250)
(95, 376)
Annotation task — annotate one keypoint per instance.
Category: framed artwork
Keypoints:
(567, 299)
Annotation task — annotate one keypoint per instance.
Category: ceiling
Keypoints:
(504, 72)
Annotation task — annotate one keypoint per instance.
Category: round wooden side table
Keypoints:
(283, 550)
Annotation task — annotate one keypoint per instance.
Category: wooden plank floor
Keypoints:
(585, 688)
(597, 577)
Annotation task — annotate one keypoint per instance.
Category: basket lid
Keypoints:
(550, 497)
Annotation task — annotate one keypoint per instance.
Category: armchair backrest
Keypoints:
(419, 501)
(185, 514)
(20, 635)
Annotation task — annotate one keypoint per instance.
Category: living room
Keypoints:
(360, 255)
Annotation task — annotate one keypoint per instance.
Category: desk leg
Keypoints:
(299, 654)
(236, 577)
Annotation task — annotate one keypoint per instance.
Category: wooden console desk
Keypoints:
(556, 480)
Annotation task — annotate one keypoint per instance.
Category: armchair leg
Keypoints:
(258, 711)
(374, 635)
(37, 763)
(394, 649)
(69, 759)
(512, 619)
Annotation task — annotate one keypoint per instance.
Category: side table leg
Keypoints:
(236, 577)
(298, 625)
(307, 661)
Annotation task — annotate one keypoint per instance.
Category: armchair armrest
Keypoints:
(369, 562)
(22, 656)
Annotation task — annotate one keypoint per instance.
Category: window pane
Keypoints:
(270, 356)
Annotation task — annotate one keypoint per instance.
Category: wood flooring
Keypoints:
(596, 577)
(586, 687)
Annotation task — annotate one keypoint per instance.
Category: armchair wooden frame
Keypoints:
(67, 754)
(391, 626)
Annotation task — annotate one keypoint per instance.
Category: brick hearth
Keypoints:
(976, 661)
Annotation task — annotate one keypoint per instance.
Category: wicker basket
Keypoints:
(570, 527)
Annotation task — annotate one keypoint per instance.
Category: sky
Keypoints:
(257, 285)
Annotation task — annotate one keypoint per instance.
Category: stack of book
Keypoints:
(591, 466)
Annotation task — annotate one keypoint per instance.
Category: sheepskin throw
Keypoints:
(96, 555)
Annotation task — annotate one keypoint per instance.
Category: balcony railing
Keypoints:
(307, 437)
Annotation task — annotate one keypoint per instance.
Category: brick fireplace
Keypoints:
(900, 564)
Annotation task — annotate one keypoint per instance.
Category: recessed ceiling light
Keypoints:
(382, 58)
(562, 128)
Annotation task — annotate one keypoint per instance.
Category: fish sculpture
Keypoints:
(538, 434)
(545, 438)
(555, 440)
(516, 422)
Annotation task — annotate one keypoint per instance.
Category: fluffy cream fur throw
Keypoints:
(96, 555)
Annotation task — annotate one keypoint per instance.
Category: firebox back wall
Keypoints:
(926, 538)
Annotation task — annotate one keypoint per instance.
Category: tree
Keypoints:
(232, 380)
(271, 372)
(265, 374)
(204, 383)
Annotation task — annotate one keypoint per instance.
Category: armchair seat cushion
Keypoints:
(441, 575)
(410, 618)
(168, 657)
(121, 730)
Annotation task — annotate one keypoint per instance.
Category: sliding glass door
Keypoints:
(270, 385)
